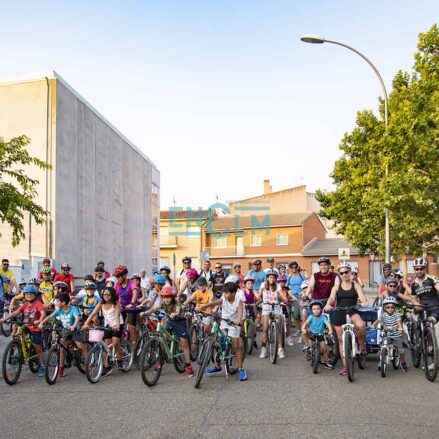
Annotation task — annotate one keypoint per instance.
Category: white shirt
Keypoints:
(230, 310)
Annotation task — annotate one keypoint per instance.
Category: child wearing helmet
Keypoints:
(391, 323)
(33, 312)
(46, 288)
(201, 296)
(153, 299)
(189, 285)
(88, 299)
(176, 323)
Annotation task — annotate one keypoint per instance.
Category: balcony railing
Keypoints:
(168, 241)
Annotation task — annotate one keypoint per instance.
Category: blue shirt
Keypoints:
(89, 302)
(317, 324)
(259, 277)
(3, 279)
(67, 318)
(295, 282)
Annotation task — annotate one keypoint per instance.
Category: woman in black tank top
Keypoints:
(347, 294)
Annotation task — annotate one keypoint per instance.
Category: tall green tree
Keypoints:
(410, 149)
(17, 189)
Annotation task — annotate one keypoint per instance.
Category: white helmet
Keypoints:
(354, 270)
(420, 262)
(344, 265)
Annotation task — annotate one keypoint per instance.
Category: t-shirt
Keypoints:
(174, 308)
(66, 279)
(317, 324)
(31, 312)
(68, 317)
(10, 275)
(3, 280)
(90, 302)
(271, 297)
(259, 277)
(218, 281)
(294, 282)
(144, 283)
(201, 298)
(153, 295)
(46, 289)
(230, 310)
(391, 322)
(250, 297)
(426, 291)
(125, 293)
(323, 285)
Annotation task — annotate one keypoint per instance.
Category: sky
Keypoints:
(220, 95)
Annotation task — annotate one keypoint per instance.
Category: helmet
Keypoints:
(344, 265)
(135, 276)
(304, 284)
(46, 260)
(186, 259)
(256, 262)
(324, 260)
(167, 292)
(46, 270)
(354, 270)
(22, 282)
(120, 270)
(249, 278)
(34, 281)
(316, 302)
(270, 260)
(397, 272)
(293, 263)
(111, 279)
(159, 279)
(391, 280)
(231, 279)
(88, 277)
(100, 263)
(60, 285)
(202, 281)
(280, 266)
(282, 278)
(272, 272)
(99, 269)
(387, 266)
(191, 273)
(65, 266)
(165, 267)
(237, 265)
(391, 300)
(91, 286)
(29, 289)
(420, 262)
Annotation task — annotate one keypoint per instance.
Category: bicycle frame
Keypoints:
(349, 327)
(168, 346)
(26, 342)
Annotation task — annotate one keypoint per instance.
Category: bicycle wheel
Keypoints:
(430, 354)
(250, 333)
(205, 356)
(179, 358)
(347, 344)
(52, 365)
(138, 350)
(282, 330)
(383, 361)
(151, 362)
(127, 354)
(6, 327)
(231, 363)
(315, 358)
(94, 364)
(334, 349)
(272, 341)
(79, 361)
(194, 342)
(415, 345)
(12, 362)
(361, 360)
(396, 361)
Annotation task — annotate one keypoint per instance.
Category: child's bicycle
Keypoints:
(162, 347)
(19, 351)
(94, 364)
(273, 332)
(217, 347)
(197, 334)
(388, 354)
(316, 353)
(145, 327)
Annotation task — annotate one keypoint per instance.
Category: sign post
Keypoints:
(344, 254)
(174, 261)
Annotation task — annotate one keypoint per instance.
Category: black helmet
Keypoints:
(324, 260)
(387, 266)
(88, 277)
(187, 259)
(292, 264)
(91, 286)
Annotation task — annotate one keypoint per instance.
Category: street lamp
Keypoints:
(314, 39)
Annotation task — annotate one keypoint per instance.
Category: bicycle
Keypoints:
(163, 347)
(388, 353)
(422, 341)
(217, 347)
(19, 351)
(197, 334)
(6, 327)
(273, 332)
(94, 364)
(249, 328)
(62, 340)
(316, 353)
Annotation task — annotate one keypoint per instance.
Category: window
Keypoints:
(220, 243)
(410, 268)
(193, 232)
(255, 241)
(282, 239)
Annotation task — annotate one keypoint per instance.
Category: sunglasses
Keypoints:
(391, 286)
(186, 262)
(106, 294)
(343, 272)
(218, 268)
(420, 269)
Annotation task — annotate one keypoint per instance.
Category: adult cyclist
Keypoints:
(322, 282)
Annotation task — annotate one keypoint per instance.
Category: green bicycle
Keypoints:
(19, 351)
(217, 347)
(162, 347)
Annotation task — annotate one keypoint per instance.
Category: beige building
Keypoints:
(102, 192)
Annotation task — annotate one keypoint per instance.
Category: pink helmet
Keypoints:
(167, 292)
(282, 278)
(191, 273)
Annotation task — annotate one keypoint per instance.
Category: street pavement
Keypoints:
(282, 400)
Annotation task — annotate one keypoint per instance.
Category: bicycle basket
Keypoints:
(95, 335)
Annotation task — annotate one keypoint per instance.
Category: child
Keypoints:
(317, 323)
(250, 300)
(392, 324)
(232, 309)
(113, 320)
(89, 299)
(201, 297)
(46, 288)
(176, 322)
(33, 311)
(69, 316)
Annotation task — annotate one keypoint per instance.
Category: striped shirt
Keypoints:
(390, 321)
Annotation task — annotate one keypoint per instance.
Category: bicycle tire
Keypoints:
(334, 350)
(206, 355)
(179, 363)
(347, 342)
(361, 360)
(272, 341)
(430, 344)
(282, 332)
(52, 365)
(315, 358)
(250, 333)
(138, 351)
(80, 364)
(383, 361)
(94, 364)
(12, 355)
(151, 358)
(6, 327)
(127, 354)
(396, 360)
(231, 362)
(194, 346)
(415, 350)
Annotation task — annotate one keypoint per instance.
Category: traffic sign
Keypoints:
(344, 253)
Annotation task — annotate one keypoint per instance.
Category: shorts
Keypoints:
(232, 331)
(110, 333)
(35, 336)
(338, 316)
(206, 320)
(179, 327)
(297, 308)
(312, 336)
(130, 316)
(266, 310)
(76, 336)
(434, 312)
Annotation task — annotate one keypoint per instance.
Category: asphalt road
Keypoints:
(282, 400)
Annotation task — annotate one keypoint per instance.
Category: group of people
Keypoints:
(120, 299)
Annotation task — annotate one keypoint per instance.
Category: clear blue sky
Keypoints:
(220, 94)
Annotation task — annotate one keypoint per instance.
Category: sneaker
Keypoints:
(107, 371)
(343, 371)
(61, 372)
(212, 370)
(404, 367)
(242, 375)
(263, 352)
(42, 371)
(305, 348)
(328, 366)
(280, 353)
(290, 341)
(379, 365)
(189, 370)
(297, 333)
